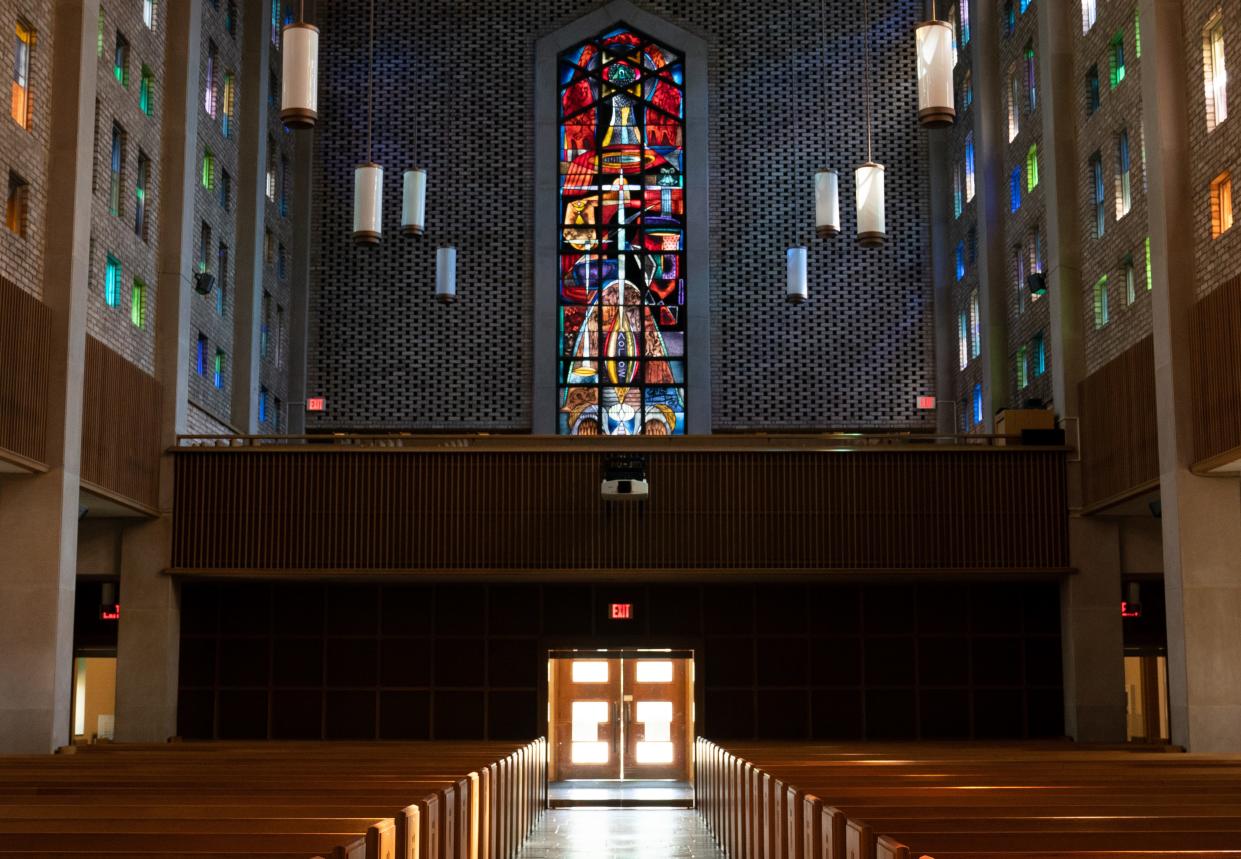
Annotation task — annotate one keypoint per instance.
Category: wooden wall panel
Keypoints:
(1120, 436)
(25, 355)
(120, 426)
(394, 510)
(1215, 369)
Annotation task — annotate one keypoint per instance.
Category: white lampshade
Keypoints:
(368, 186)
(871, 227)
(414, 202)
(936, 99)
(796, 290)
(826, 203)
(299, 81)
(446, 274)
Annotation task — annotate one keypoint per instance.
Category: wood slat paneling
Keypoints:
(120, 426)
(25, 356)
(1120, 435)
(1215, 370)
(394, 510)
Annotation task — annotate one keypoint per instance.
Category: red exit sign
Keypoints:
(926, 404)
(316, 404)
(620, 611)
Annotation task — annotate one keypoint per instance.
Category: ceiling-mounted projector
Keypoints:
(624, 479)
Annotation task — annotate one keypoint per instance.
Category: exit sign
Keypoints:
(926, 404)
(316, 404)
(620, 611)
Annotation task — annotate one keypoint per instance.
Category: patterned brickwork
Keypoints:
(209, 208)
(454, 94)
(275, 306)
(964, 228)
(1028, 317)
(199, 422)
(115, 228)
(23, 151)
(1215, 150)
(1120, 108)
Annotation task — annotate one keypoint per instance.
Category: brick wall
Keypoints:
(24, 150)
(963, 230)
(1216, 150)
(205, 315)
(118, 105)
(275, 308)
(1120, 108)
(454, 94)
(1028, 316)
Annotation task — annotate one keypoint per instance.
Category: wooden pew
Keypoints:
(952, 800)
(269, 799)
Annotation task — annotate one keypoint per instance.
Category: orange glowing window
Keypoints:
(21, 75)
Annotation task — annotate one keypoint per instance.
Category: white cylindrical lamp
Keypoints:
(826, 203)
(367, 203)
(871, 226)
(299, 81)
(414, 202)
(936, 97)
(796, 289)
(446, 275)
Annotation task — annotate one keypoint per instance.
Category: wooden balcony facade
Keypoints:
(532, 506)
(121, 442)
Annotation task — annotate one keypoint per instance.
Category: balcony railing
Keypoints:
(513, 505)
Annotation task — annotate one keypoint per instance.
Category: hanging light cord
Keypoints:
(301, 12)
(866, 74)
(370, 89)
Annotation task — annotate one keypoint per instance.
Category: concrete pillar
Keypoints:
(149, 634)
(989, 145)
(299, 311)
(1092, 638)
(251, 208)
(1201, 516)
(940, 157)
(39, 514)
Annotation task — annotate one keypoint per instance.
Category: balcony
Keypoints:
(491, 506)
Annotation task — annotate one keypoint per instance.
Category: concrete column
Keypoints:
(1092, 638)
(1201, 516)
(149, 634)
(39, 514)
(940, 157)
(251, 209)
(299, 292)
(989, 143)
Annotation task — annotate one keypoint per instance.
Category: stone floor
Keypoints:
(613, 833)
(620, 794)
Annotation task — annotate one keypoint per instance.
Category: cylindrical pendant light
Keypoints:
(868, 176)
(414, 202)
(826, 203)
(299, 79)
(796, 289)
(368, 177)
(871, 226)
(936, 99)
(368, 190)
(446, 275)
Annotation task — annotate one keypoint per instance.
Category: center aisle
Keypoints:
(602, 833)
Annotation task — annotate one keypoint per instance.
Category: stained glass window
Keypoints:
(622, 332)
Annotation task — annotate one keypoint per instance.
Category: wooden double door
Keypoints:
(621, 715)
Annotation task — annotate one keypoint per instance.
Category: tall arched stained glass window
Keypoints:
(622, 334)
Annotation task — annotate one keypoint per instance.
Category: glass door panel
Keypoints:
(586, 711)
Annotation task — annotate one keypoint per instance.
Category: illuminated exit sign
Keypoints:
(620, 611)
(316, 404)
(926, 404)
